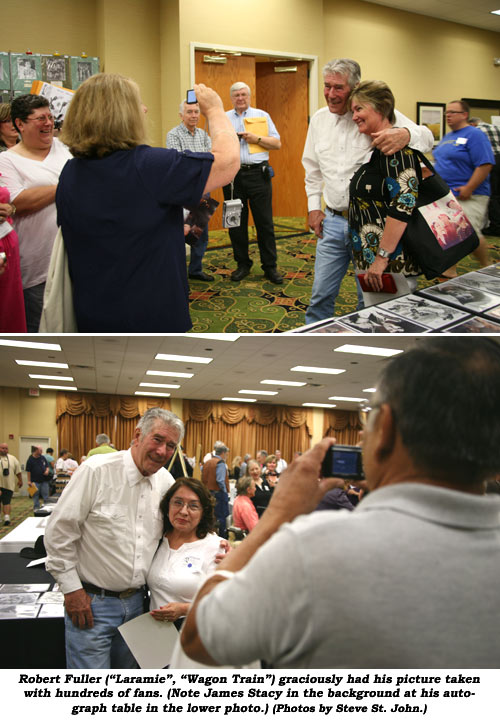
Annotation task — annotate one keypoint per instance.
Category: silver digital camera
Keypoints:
(231, 213)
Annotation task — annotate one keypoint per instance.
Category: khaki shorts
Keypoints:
(476, 209)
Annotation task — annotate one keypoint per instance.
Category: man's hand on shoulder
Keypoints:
(391, 140)
(77, 604)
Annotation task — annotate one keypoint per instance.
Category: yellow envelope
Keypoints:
(257, 126)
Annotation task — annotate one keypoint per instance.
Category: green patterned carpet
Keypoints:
(255, 304)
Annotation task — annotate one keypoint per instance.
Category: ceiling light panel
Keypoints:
(184, 358)
(321, 370)
(367, 350)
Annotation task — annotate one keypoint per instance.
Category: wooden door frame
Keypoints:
(311, 59)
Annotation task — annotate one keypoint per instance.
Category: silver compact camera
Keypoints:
(231, 213)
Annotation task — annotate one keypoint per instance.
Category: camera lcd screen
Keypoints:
(191, 97)
(343, 461)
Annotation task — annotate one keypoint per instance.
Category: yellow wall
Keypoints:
(421, 58)
(21, 414)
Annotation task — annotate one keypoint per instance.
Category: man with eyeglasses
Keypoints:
(30, 170)
(416, 563)
(464, 159)
(102, 537)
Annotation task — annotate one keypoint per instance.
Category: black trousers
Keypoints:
(253, 188)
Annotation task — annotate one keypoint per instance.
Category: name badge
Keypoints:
(461, 141)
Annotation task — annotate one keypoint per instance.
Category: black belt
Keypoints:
(252, 166)
(342, 213)
(94, 590)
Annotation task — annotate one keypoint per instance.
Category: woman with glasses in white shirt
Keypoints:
(187, 551)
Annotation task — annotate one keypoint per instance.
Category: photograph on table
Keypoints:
(426, 312)
(475, 325)
(461, 296)
(375, 320)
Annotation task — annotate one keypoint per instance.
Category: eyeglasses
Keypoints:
(454, 112)
(41, 119)
(191, 506)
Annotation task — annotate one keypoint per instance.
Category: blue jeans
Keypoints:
(333, 254)
(221, 510)
(197, 252)
(102, 646)
(43, 490)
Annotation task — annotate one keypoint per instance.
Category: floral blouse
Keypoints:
(387, 185)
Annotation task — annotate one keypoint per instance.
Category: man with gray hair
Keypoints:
(102, 536)
(103, 445)
(215, 476)
(426, 540)
(187, 136)
(252, 185)
(334, 150)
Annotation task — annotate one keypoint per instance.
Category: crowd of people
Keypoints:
(122, 205)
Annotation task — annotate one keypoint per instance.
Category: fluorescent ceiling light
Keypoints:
(184, 358)
(36, 363)
(169, 374)
(227, 337)
(229, 399)
(324, 371)
(137, 392)
(324, 405)
(163, 385)
(283, 382)
(34, 345)
(367, 350)
(369, 390)
(259, 392)
(52, 377)
(495, 12)
(347, 399)
(57, 387)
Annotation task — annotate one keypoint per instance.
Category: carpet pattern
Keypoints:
(21, 508)
(256, 305)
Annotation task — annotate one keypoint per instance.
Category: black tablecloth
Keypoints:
(29, 643)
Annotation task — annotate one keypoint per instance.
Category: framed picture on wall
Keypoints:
(432, 116)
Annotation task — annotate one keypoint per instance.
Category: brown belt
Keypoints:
(94, 590)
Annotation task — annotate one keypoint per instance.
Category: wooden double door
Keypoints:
(284, 95)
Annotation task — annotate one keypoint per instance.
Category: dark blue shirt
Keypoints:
(37, 466)
(122, 223)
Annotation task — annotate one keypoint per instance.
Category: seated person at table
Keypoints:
(244, 513)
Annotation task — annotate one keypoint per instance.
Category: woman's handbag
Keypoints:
(439, 233)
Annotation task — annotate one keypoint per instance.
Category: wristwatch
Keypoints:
(383, 253)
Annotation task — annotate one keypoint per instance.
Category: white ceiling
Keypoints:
(474, 14)
(116, 365)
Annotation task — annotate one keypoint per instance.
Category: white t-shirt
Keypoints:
(175, 575)
(36, 231)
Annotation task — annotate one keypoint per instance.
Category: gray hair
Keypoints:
(344, 66)
(220, 448)
(102, 438)
(239, 86)
(149, 418)
(243, 484)
(450, 436)
(184, 102)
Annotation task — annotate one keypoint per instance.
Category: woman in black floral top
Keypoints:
(383, 193)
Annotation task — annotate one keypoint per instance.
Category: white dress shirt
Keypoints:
(335, 149)
(106, 525)
(238, 122)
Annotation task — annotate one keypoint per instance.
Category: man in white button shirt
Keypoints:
(102, 536)
(334, 150)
